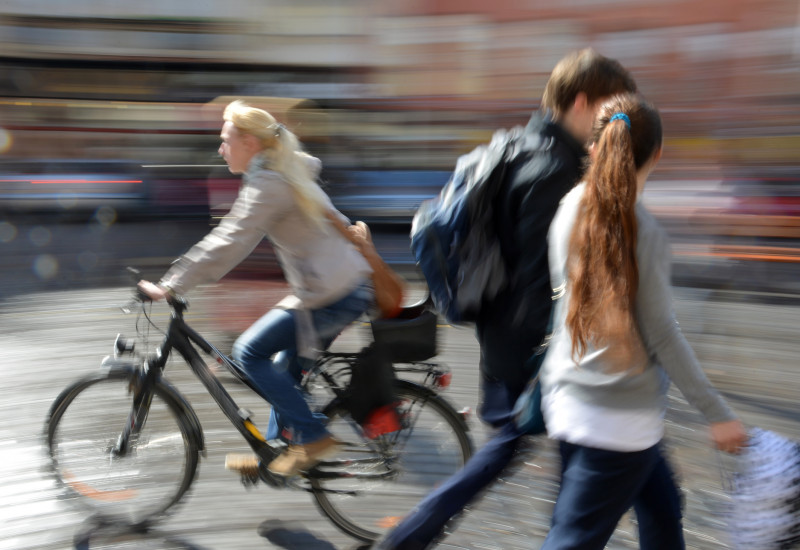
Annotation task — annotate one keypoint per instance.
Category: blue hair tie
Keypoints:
(621, 116)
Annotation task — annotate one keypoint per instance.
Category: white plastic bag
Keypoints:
(765, 494)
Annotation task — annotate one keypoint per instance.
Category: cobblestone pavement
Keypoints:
(749, 349)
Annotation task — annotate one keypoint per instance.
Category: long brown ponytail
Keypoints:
(602, 271)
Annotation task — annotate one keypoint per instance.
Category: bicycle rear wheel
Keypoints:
(82, 431)
(372, 484)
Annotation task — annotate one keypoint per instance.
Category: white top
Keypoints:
(582, 423)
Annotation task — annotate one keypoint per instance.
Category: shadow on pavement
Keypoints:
(96, 534)
(292, 535)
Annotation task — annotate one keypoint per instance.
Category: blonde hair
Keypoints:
(282, 150)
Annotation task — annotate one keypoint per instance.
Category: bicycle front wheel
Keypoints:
(134, 487)
(373, 483)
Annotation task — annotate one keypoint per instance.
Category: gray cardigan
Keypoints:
(319, 264)
(669, 355)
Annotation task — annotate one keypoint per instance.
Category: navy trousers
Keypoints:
(599, 486)
(429, 517)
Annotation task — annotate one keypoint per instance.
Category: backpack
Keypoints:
(453, 238)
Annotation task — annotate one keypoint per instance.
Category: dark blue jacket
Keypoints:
(512, 326)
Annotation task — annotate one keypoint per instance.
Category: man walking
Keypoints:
(511, 326)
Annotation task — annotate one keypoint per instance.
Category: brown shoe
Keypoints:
(298, 458)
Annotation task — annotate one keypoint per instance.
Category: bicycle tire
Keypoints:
(84, 423)
(432, 445)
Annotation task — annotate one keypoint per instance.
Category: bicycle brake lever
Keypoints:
(127, 308)
(139, 297)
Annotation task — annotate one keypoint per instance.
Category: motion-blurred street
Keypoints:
(49, 336)
(110, 116)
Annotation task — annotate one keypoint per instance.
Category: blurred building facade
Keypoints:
(720, 70)
(389, 93)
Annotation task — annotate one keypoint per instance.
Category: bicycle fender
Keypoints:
(168, 391)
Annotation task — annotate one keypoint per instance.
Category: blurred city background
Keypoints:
(109, 125)
(110, 111)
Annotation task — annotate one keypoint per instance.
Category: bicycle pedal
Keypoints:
(246, 465)
(276, 481)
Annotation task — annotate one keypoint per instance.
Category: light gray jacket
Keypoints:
(319, 264)
(669, 355)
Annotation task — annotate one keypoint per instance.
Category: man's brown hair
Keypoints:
(584, 71)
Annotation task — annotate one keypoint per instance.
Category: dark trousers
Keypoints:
(428, 519)
(599, 486)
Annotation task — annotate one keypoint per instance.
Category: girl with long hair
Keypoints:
(616, 346)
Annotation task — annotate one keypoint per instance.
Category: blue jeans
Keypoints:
(599, 486)
(267, 353)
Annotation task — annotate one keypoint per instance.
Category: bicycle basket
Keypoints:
(411, 336)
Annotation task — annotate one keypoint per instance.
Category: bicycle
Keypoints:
(126, 444)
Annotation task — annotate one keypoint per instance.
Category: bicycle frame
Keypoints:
(370, 460)
(180, 337)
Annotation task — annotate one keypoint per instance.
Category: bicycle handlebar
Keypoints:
(177, 303)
